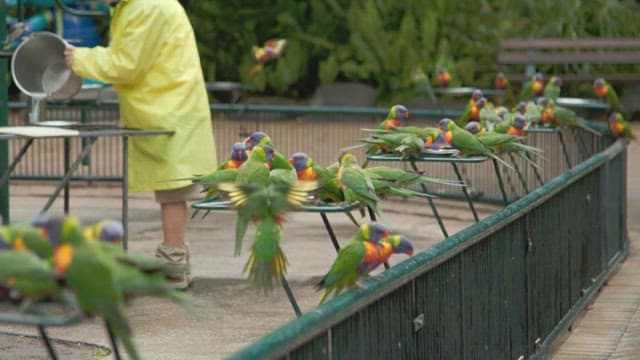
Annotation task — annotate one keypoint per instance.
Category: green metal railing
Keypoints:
(504, 288)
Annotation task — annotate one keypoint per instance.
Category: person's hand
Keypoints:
(68, 54)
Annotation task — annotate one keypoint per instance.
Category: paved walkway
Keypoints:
(610, 327)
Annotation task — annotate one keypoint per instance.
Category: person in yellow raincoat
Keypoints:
(154, 66)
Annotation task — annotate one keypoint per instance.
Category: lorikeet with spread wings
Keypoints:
(271, 50)
(266, 205)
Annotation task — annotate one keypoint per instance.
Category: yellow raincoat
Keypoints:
(154, 66)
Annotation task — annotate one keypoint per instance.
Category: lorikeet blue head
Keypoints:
(444, 124)
(299, 161)
(239, 152)
(472, 127)
(542, 101)
(476, 95)
(501, 111)
(519, 122)
(51, 227)
(111, 231)
(522, 107)
(401, 112)
(376, 232)
(401, 244)
(253, 139)
(481, 103)
(600, 87)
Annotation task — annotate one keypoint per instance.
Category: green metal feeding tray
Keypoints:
(582, 103)
(465, 90)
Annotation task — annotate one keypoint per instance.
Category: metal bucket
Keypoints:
(39, 70)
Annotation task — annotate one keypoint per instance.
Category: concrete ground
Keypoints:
(231, 313)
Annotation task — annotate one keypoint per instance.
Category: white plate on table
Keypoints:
(445, 151)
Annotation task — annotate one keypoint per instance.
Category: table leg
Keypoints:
(112, 339)
(466, 192)
(431, 204)
(67, 160)
(564, 149)
(523, 181)
(47, 342)
(332, 235)
(505, 198)
(292, 299)
(5, 177)
(125, 191)
(67, 177)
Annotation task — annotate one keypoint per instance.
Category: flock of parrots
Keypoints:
(56, 258)
(85, 267)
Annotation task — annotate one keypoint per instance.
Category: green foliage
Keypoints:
(382, 42)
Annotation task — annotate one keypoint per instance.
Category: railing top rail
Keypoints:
(295, 109)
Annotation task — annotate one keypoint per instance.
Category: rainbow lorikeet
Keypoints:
(272, 49)
(356, 184)
(444, 78)
(606, 92)
(532, 88)
(353, 260)
(552, 89)
(619, 127)
(466, 142)
(397, 114)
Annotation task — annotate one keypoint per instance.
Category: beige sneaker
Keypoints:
(177, 264)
